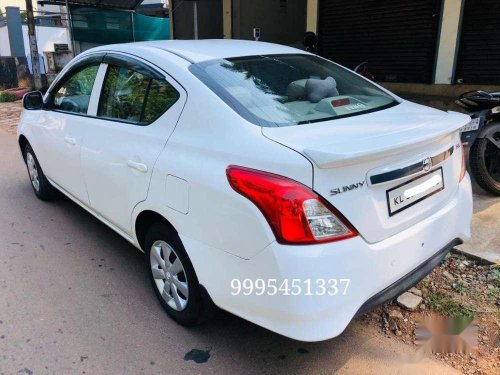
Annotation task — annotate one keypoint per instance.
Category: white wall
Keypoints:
(48, 8)
(14, 3)
(22, 5)
(4, 42)
(46, 36)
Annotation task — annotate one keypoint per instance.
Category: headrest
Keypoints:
(318, 89)
(296, 90)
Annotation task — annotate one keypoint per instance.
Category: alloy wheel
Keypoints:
(169, 275)
(33, 171)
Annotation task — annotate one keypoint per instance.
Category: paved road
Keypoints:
(485, 241)
(74, 299)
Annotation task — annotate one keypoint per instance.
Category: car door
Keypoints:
(65, 121)
(138, 109)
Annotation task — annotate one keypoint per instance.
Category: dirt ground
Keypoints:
(458, 288)
(9, 115)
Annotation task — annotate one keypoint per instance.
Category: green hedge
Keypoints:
(7, 97)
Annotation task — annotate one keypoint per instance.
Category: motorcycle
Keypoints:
(482, 135)
(310, 43)
(362, 69)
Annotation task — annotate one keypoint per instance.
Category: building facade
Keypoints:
(14, 41)
(424, 41)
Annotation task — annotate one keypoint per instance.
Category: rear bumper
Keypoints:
(377, 272)
(406, 282)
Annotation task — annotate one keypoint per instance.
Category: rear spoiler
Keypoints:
(340, 155)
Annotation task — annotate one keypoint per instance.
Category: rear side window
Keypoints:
(74, 94)
(161, 96)
(130, 96)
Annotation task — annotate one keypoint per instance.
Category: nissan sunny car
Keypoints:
(262, 179)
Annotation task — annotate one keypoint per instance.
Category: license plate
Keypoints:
(414, 191)
(472, 125)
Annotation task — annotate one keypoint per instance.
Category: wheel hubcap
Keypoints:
(33, 171)
(169, 275)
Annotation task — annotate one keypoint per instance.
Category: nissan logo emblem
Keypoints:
(427, 164)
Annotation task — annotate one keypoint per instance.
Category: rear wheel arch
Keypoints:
(23, 141)
(150, 224)
(144, 221)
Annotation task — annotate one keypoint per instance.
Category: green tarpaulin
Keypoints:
(101, 26)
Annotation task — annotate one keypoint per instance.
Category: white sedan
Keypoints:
(268, 181)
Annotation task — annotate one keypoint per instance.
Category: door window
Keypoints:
(161, 97)
(131, 96)
(74, 94)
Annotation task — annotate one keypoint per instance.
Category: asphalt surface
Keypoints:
(75, 299)
(485, 240)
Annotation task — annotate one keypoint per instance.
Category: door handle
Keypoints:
(138, 166)
(69, 140)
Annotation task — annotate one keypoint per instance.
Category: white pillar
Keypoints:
(227, 19)
(448, 41)
(312, 16)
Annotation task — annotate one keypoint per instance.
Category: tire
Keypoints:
(188, 309)
(481, 158)
(41, 186)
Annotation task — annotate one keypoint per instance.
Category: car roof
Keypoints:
(196, 51)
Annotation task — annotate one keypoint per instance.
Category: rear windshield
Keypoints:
(291, 89)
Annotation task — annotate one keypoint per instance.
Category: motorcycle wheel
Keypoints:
(484, 162)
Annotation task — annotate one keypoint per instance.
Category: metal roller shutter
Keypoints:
(479, 49)
(397, 38)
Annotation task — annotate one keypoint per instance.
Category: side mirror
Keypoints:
(33, 100)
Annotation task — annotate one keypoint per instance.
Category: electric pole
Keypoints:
(35, 59)
(70, 28)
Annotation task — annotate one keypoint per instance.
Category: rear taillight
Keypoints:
(295, 213)
(464, 167)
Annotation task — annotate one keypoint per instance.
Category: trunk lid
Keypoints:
(362, 162)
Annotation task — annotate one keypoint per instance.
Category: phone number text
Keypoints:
(289, 287)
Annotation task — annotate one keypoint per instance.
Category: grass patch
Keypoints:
(494, 294)
(425, 283)
(460, 287)
(495, 275)
(448, 306)
(7, 97)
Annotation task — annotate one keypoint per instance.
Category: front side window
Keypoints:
(131, 96)
(291, 89)
(74, 94)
